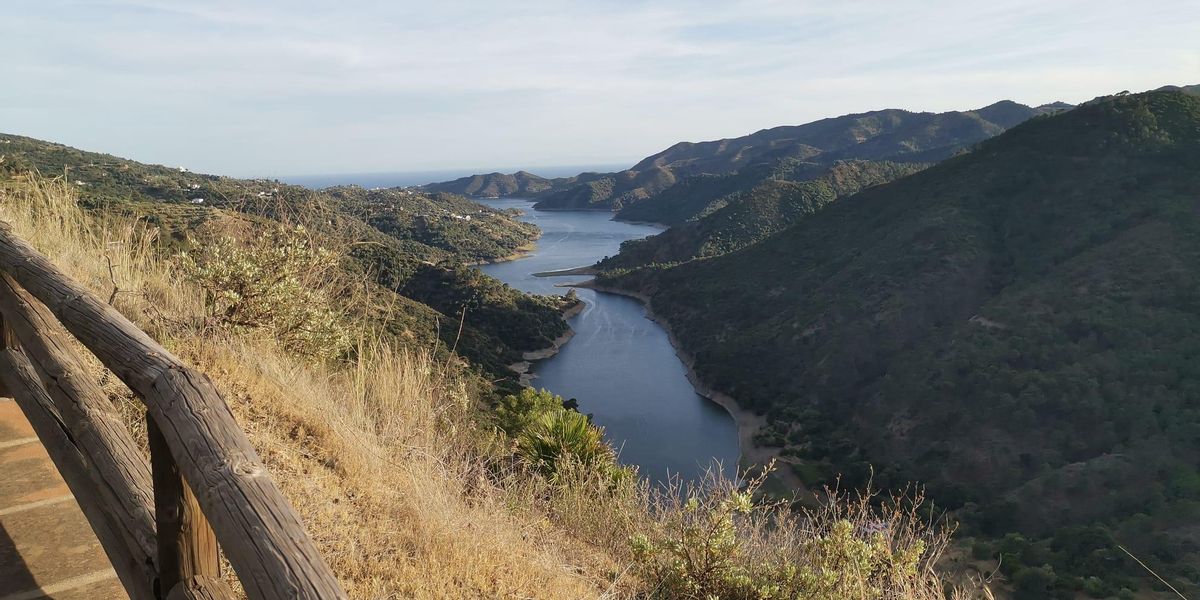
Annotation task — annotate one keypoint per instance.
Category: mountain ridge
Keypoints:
(1014, 327)
(884, 135)
(659, 171)
(493, 185)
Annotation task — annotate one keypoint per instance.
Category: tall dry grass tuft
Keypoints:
(114, 257)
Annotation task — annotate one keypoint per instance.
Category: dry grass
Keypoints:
(380, 458)
(405, 493)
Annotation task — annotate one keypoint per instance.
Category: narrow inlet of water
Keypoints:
(620, 365)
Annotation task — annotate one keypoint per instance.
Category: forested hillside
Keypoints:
(414, 477)
(609, 191)
(884, 135)
(785, 193)
(1017, 327)
(492, 185)
(398, 238)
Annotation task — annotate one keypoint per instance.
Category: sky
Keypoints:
(290, 87)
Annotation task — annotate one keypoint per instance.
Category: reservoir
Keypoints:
(620, 365)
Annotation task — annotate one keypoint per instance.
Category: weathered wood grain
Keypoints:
(187, 546)
(119, 471)
(135, 570)
(200, 588)
(263, 536)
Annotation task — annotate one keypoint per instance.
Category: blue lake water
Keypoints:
(620, 365)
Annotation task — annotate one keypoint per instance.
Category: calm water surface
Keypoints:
(620, 365)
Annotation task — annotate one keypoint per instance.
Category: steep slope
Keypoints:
(415, 481)
(751, 215)
(393, 236)
(381, 457)
(891, 135)
(1018, 327)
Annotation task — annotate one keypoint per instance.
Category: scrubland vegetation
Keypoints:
(721, 214)
(414, 477)
(1016, 327)
(664, 187)
(409, 246)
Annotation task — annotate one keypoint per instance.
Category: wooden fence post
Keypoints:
(187, 546)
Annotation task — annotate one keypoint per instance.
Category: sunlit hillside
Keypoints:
(411, 487)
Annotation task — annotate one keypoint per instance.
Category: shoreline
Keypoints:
(536, 207)
(522, 369)
(662, 226)
(584, 270)
(747, 422)
(523, 251)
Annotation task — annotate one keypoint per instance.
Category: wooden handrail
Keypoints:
(262, 535)
(22, 383)
(119, 473)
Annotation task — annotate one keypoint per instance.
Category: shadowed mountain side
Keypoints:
(1016, 327)
(891, 135)
(745, 217)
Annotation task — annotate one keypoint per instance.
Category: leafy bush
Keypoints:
(1033, 583)
(558, 433)
(559, 442)
(276, 283)
(721, 543)
(516, 412)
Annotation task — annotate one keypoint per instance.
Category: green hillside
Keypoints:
(696, 195)
(493, 185)
(609, 191)
(1017, 327)
(748, 216)
(441, 220)
(398, 239)
(884, 135)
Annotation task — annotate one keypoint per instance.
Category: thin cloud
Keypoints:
(291, 87)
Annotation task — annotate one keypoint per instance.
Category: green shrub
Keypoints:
(516, 412)
(1033, 583)
(721, 543)
(558, 433)
(276, 283)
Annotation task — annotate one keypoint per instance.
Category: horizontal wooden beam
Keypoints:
(261, 533)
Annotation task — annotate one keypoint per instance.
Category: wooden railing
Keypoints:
(159, 521)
